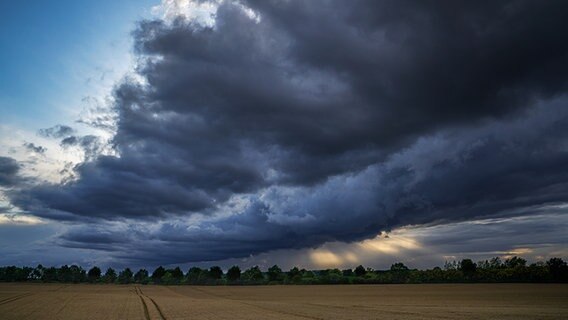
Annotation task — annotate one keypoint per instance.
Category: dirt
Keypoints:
(443, 301)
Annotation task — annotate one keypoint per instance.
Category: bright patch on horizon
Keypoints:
(19, 219)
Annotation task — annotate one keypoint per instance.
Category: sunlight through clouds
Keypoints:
(19, 219)
(326, 259)
(398, 244)
(392, 244)
(201, 12)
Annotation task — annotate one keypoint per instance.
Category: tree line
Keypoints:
(495, 270)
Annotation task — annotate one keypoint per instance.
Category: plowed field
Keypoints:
(459, 301)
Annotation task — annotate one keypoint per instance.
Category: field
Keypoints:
(443, 301)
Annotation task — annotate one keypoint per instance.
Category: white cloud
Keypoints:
(201, 12)
(195, 11)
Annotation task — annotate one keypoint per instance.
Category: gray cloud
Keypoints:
(33, 148)
(9, 169)
(324, 122)
(56, 132)
(496, 170)
(91, 145)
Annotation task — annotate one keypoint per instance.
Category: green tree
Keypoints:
(495, 263)
(294, 275)
(215, 272)
(37, 273)
(193, 275)
(468, 268)
(177, 274)
(274, 273)
(558, 269)
(158, 274)
(347, 272)
(94, 274)
(110, 275)
(49, 274)
(399, 273)
(253, 274)
(78, 274)
(13, 273)
(294, 272)
(234, 273)
(169, 279)
(125, 276)
(360, 271)
(515, 262)
(141, 276)
(398, 267)
(334, 276)
(64, 274)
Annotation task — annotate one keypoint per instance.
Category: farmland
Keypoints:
(443, 301)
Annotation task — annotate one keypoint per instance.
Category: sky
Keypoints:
(321, 134)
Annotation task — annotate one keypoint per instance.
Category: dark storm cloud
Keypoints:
(329, 120)
(9, 169)
(421, 64)
(58, 131)
(499, 169)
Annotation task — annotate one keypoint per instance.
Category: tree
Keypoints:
(334, 276)
(399, 273)
(193, 274)
(49, 275)
(495, 263)
(64, 274)
(360, 271)
(215, 272)
(169, 279)
(253, 274)
(177, 274)
(141, 276)
(294, 272)
(398, 267)
(158, 274)
(94, 274)
(13, 273)
(125, 276)
(558, 269)
(234, 273)
(78, 274)
(515, 262)
(274, 273)
(468, 268)
(450, 265)
(37, 273)
(110, 275)
(294, 275)
(347, 272)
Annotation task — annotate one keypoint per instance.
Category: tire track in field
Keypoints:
(24, 295)
(146, 313)
(14, 298)
(286, 313)
(155, 308)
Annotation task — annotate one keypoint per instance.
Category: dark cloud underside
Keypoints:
(8, 171)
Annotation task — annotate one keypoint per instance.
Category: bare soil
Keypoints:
(442, 301)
